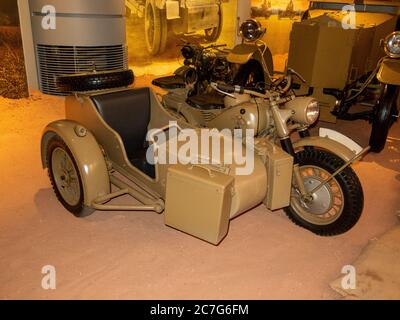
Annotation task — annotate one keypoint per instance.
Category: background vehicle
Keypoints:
(105, 137)
(180, 17)
(338, 84)
(253, 57)
(248, 64)
(202, 65)
(265, 10)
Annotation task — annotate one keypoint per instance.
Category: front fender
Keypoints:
(87, 154)
(389, 71)
(242, 53)
(328, 144)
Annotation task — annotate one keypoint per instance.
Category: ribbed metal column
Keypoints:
(89, 35)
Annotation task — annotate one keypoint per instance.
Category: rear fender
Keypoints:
(242, 53)
(87, 154)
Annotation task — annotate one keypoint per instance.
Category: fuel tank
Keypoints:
(242, 113)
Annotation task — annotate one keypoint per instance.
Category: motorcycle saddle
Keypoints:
(170, 82)
(206, 101)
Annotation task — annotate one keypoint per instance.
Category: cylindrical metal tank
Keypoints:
(87, 35)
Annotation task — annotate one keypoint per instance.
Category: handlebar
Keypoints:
(229, 90)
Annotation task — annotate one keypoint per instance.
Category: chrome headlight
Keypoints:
(312, 112)
(305, 110)
(392, 44)
(251, 30)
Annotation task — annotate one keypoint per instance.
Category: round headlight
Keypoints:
(188, 52)
(312, 112)
(392, 45)
(251, 30)
(305, 110)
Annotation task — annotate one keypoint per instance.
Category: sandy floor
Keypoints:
(134, 256)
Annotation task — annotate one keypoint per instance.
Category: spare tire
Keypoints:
(95, 80)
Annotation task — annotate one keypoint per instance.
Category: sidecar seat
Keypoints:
(128, 113)
(170, 82)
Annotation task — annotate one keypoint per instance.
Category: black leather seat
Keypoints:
(206, 101)
(128, 113)
(170, 82)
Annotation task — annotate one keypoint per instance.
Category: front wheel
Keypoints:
(333, 209)
(385, 114)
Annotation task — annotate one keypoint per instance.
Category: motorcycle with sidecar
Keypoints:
(111, 136)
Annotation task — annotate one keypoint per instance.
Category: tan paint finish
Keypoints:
(328, 144)
(199, 202)
(247, 115)
(249, 190)
(389, 72)
(87, 154)
(244, 52)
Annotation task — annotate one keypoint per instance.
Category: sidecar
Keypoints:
(103, 149)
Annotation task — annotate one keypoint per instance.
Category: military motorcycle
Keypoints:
(248, 64)
(385, 111)
(107, 139)
(201, 66)
(253, 58)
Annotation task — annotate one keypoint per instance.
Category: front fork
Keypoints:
(281, 119)
(287, 146)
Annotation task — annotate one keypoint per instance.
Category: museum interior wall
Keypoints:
(271, 14)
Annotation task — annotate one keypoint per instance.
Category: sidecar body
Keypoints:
(105, 148)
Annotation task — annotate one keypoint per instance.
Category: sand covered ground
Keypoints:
(121, 255)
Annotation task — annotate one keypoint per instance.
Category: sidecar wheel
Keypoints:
(385, 114)
(65, 177)
(212, 34)
(337, 206)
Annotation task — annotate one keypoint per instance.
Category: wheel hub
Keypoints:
(65, 176)
(319, 202)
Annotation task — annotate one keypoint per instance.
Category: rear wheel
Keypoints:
(385, 114)
(333, 209)
(250, 75)
(65, 177)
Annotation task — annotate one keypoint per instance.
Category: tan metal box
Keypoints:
(329, 56)
(198, 202)
(279, 172)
